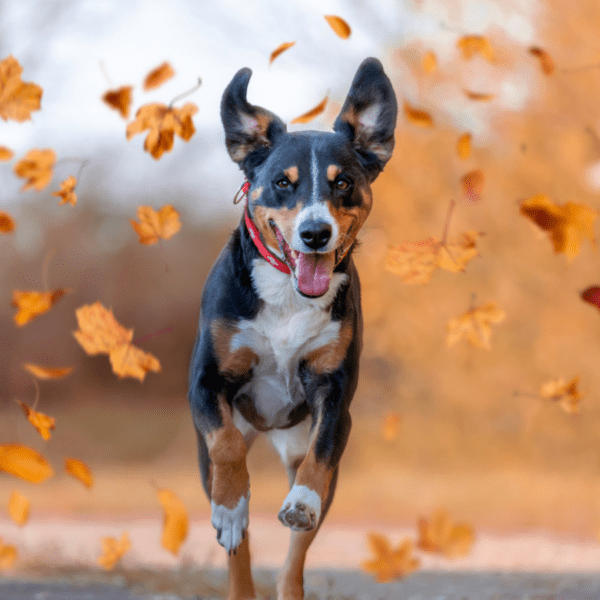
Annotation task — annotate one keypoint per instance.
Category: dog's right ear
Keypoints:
(250, 131)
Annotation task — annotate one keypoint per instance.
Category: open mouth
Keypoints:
(312, 270)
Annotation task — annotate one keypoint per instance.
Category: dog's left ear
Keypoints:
(368, 117)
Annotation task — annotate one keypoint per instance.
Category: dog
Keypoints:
(280, 331)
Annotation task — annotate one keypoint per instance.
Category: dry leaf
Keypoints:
(475, 325)
(546, 62)
(566, 393)
(339, 26)
(568, 224)
(120, 99)
(441, 536)
(472, 186)
(7, 223)
(8, 556)
(33, 304)
(463, 147)
(130, 361)
(280, 50)
(480, 97)
(24, 462)
(391, 426)
(175, 523)
(43, 423)
(47, 372)
(18, 508)
(158, 76)
(153, 224)
(470, 45)
(429, 62)
(417, 116)
(312, 113)
(67, 191)
(79, 470)
(37, 168)
(113, 551)
(163, 123)
(5, 153)
(18, 99)
(389, 563)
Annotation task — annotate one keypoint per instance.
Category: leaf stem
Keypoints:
(447, 222)
(184, 94)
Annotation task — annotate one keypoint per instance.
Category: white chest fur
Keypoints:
(287, 328)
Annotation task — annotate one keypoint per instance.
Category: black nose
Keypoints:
(315, 234)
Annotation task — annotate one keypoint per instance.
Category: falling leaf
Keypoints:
(158, 76)
(113, 551)
(43, 423)
(47, 372)
(280, 50)
(153, 224)
(175, 524)
(389, 563)
(568, 224)
(414, 262)
(470, 45)
(7, 223)
(441, 536)
(429, 62)
(37, 168)
(120, 99)
(546, 62)
(18, 99)
(24, 462)
(338, 25)
(472, 186)
(18, 508)
(100, 333)
(417, 116)
(480, 97)
(566, 393)
(5, 153)
(475, 325)
(463, 148)
(391, 426)
(33, 304)
(312, 113)
(163, 123)
(592, 295)
(67, 191)
(8, 556)
(79, 470)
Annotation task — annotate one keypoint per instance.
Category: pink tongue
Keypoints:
(314, 272)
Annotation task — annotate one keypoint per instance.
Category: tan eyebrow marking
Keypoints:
(256, 194)
(292, 174)
(333, 171)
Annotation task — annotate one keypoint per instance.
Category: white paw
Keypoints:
(230, 523)
(301, 509)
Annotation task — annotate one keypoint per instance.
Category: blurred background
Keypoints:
(473, 437)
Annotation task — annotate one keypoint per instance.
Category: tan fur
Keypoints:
(350, 220)
(333, 171)
(292, 174)
(328, 358)
(257, 193)
(283, 219)
(290, 581)
(236, 363)
(240, 575)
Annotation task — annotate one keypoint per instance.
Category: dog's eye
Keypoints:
(341, 183)
(282, 183)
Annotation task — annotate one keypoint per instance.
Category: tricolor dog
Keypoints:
(280, 330)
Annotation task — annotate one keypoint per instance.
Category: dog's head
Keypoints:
(310, 191)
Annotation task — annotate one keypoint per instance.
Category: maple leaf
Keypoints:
(568, 224)
(440, 535)
(175, 523)
(33, 304)
(280, 50)
(24, 462)
(67, 191)
(18, 99)
(153, 224)
(43, 423)
(475, 325)
(130, 361)
(312, 113)
(566, 393)
(119, 99)
(339, 26)
(37, 168)
(7, 223)
(18, 508)
(113, 550)
(391, 426)
(8, 556)
(47, 372)
(158, 76)
(472, 185)
(417, 116)
(163, 123)
(5, 153)
(546, 62)
(429, 62)
(463, 147)
(79, 470)
(470, 45)
(389, 563)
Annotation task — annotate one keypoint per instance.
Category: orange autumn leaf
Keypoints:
(568, 224)
(389, 563)
(163, 123)
(79, 470)
(312, 113)
(43, 423)
(24, 462)
(280, 50)
(566, 393)
(391, 426)
(417, 116)
(18, 508)
(33, 304)
(479, 96)
(100, 333)
(475, 325)
(67, 191)
(6, 153)
(163, 223)
(463, 147)
(472, 186)
(470, 45)
(8, 556)
(47, 372)
(7, 223)
(18, 99)
(546, 62)
(113, 550)
(119, 99)
(429, 62)
(158, 76)
(339, 26)
(175, 523)
(439, 535)
(37, 168)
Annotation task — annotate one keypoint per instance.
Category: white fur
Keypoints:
(292, 442)
(231, 521)
(300, 494)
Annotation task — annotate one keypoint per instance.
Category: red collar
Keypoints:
(255, 235)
